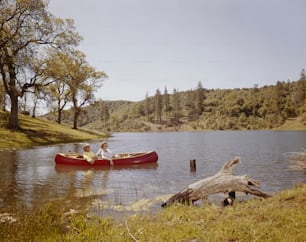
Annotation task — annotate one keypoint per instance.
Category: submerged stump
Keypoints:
(193, 165)
(224, 181)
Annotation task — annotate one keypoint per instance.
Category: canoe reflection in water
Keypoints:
(108, 190)
(60, 168)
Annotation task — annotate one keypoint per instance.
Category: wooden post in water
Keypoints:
(193, 166)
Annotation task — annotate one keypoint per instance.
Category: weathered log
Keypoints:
(224, 181)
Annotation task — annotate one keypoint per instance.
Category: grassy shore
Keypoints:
(37, 131)
(279, 218)
(293, 124)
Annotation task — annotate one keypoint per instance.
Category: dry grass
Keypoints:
(293, 124)
(36, 131)
(279, 218)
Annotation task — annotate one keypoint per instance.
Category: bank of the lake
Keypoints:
(279, 218)
(38, 131)
(293, 124)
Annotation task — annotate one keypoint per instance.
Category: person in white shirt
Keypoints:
(105, 153)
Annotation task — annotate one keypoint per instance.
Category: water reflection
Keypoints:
(59, 168)
(32, 178)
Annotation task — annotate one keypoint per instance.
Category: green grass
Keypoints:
(279, 218)
(37, 131)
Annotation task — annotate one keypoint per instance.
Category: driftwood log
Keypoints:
(224, 181)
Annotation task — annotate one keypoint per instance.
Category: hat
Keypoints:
(85, 145)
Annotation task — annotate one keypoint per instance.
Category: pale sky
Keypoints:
(145, 45)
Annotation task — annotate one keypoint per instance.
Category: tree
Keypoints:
(104, 113)
(158, 105)
(57, 68)
(303, 75)
(166, 102)
(83, 81)
(74, 80)
(38, 95)
(147, 106)
(2, 96)
(279, 97)
(176, 104)
(199, 98)
(301, 90)
(26, 27)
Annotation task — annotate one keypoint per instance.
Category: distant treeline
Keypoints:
(200, 109)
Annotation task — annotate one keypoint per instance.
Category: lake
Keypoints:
(30, 177)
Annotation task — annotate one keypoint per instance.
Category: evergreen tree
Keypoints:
(104, 113)
(176, 104)
(147, 106)
(166, 102)
(300, 92)
(199, 98)
(302, 75)
(279, 97)
(158, 105)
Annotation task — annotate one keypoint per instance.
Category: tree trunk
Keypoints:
(75, 118)
(223, 182)
(10, 88)
(34, 109)
(59, 115)
(13, 119)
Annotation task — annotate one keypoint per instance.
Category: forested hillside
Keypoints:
(199, 109)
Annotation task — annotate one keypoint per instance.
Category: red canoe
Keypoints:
(120, 159)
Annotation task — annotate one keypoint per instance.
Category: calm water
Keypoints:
(31, 177)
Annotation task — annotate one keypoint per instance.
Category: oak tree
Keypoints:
(26, 27)
(83, 80)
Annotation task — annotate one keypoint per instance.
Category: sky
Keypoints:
(145, 45)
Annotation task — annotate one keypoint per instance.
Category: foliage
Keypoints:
(274, 219)
(26, 27)
(81, 79)
(267, 107)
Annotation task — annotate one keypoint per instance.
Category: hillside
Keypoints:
(38, 131)
(268, 107)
